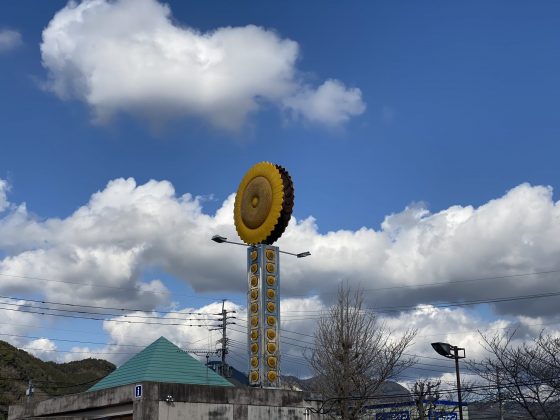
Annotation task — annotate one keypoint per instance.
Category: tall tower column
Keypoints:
(263, 319)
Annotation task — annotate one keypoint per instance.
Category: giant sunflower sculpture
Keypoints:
(263, 204)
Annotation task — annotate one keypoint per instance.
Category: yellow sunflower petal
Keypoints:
(258, 203)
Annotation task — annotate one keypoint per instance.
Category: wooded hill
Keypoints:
(17, 367)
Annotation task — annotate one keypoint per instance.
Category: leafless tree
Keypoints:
(354, 354)
(527, 374)
(425, 393)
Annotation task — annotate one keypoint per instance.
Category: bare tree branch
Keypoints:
(354, 354)
(528, 374)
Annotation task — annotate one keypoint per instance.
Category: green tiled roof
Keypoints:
(161, 361)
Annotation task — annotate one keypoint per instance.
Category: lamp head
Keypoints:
(219, 239)
(444, 349)
(303, 254)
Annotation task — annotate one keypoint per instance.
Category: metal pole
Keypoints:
(458, 383)
(224, 338)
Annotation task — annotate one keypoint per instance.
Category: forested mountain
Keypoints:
(17, 367)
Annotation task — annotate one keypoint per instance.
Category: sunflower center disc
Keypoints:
(256, 202)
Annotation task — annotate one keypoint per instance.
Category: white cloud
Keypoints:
(331, 103)
(188, 336)
(128, 228)
(200, 338)
(100, 254)
(16, 320)
(514, 234)
(127, 339)
(9, 40)
(458, 326)
(129, 56)
(461, 327)
(4, 188)
(42, 348)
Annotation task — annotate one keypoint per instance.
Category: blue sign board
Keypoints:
(138, 391)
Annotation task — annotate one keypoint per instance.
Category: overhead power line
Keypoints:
(293, 317)
(105, 286)
(450, 282)
(109, 308)
(40, 349)
(404, 286)
(230, 340)
(103, 319)
(439, 334)
(407, 308)
(71, 341)
(77, 311)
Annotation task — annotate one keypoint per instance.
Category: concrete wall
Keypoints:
(174, 401)
(89, 405)
(202, 411)
(195, 402)
(233, 403)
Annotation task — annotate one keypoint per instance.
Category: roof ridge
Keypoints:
(155, 344)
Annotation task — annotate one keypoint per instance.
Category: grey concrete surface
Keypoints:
(173, 401)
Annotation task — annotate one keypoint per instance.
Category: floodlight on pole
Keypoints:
(219, 239)
(452, 352)
(443, 349)
(223, 240)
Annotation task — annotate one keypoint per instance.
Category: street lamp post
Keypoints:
(452, 352)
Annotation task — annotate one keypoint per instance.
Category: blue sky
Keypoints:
(460, 108)
(427, 109)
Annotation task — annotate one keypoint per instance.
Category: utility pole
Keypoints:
(224, 333)
(224, 371)
(456, 349)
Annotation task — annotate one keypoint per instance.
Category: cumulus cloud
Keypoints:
(193, 337)
(104, 249)
(102, 253)
(9, 40)
(4, 187)
(42, 348)
(462, 327)
(511, 235)
(459, 326)
(331, 103)
(130, 56)
(16, 319)
(188, 328)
